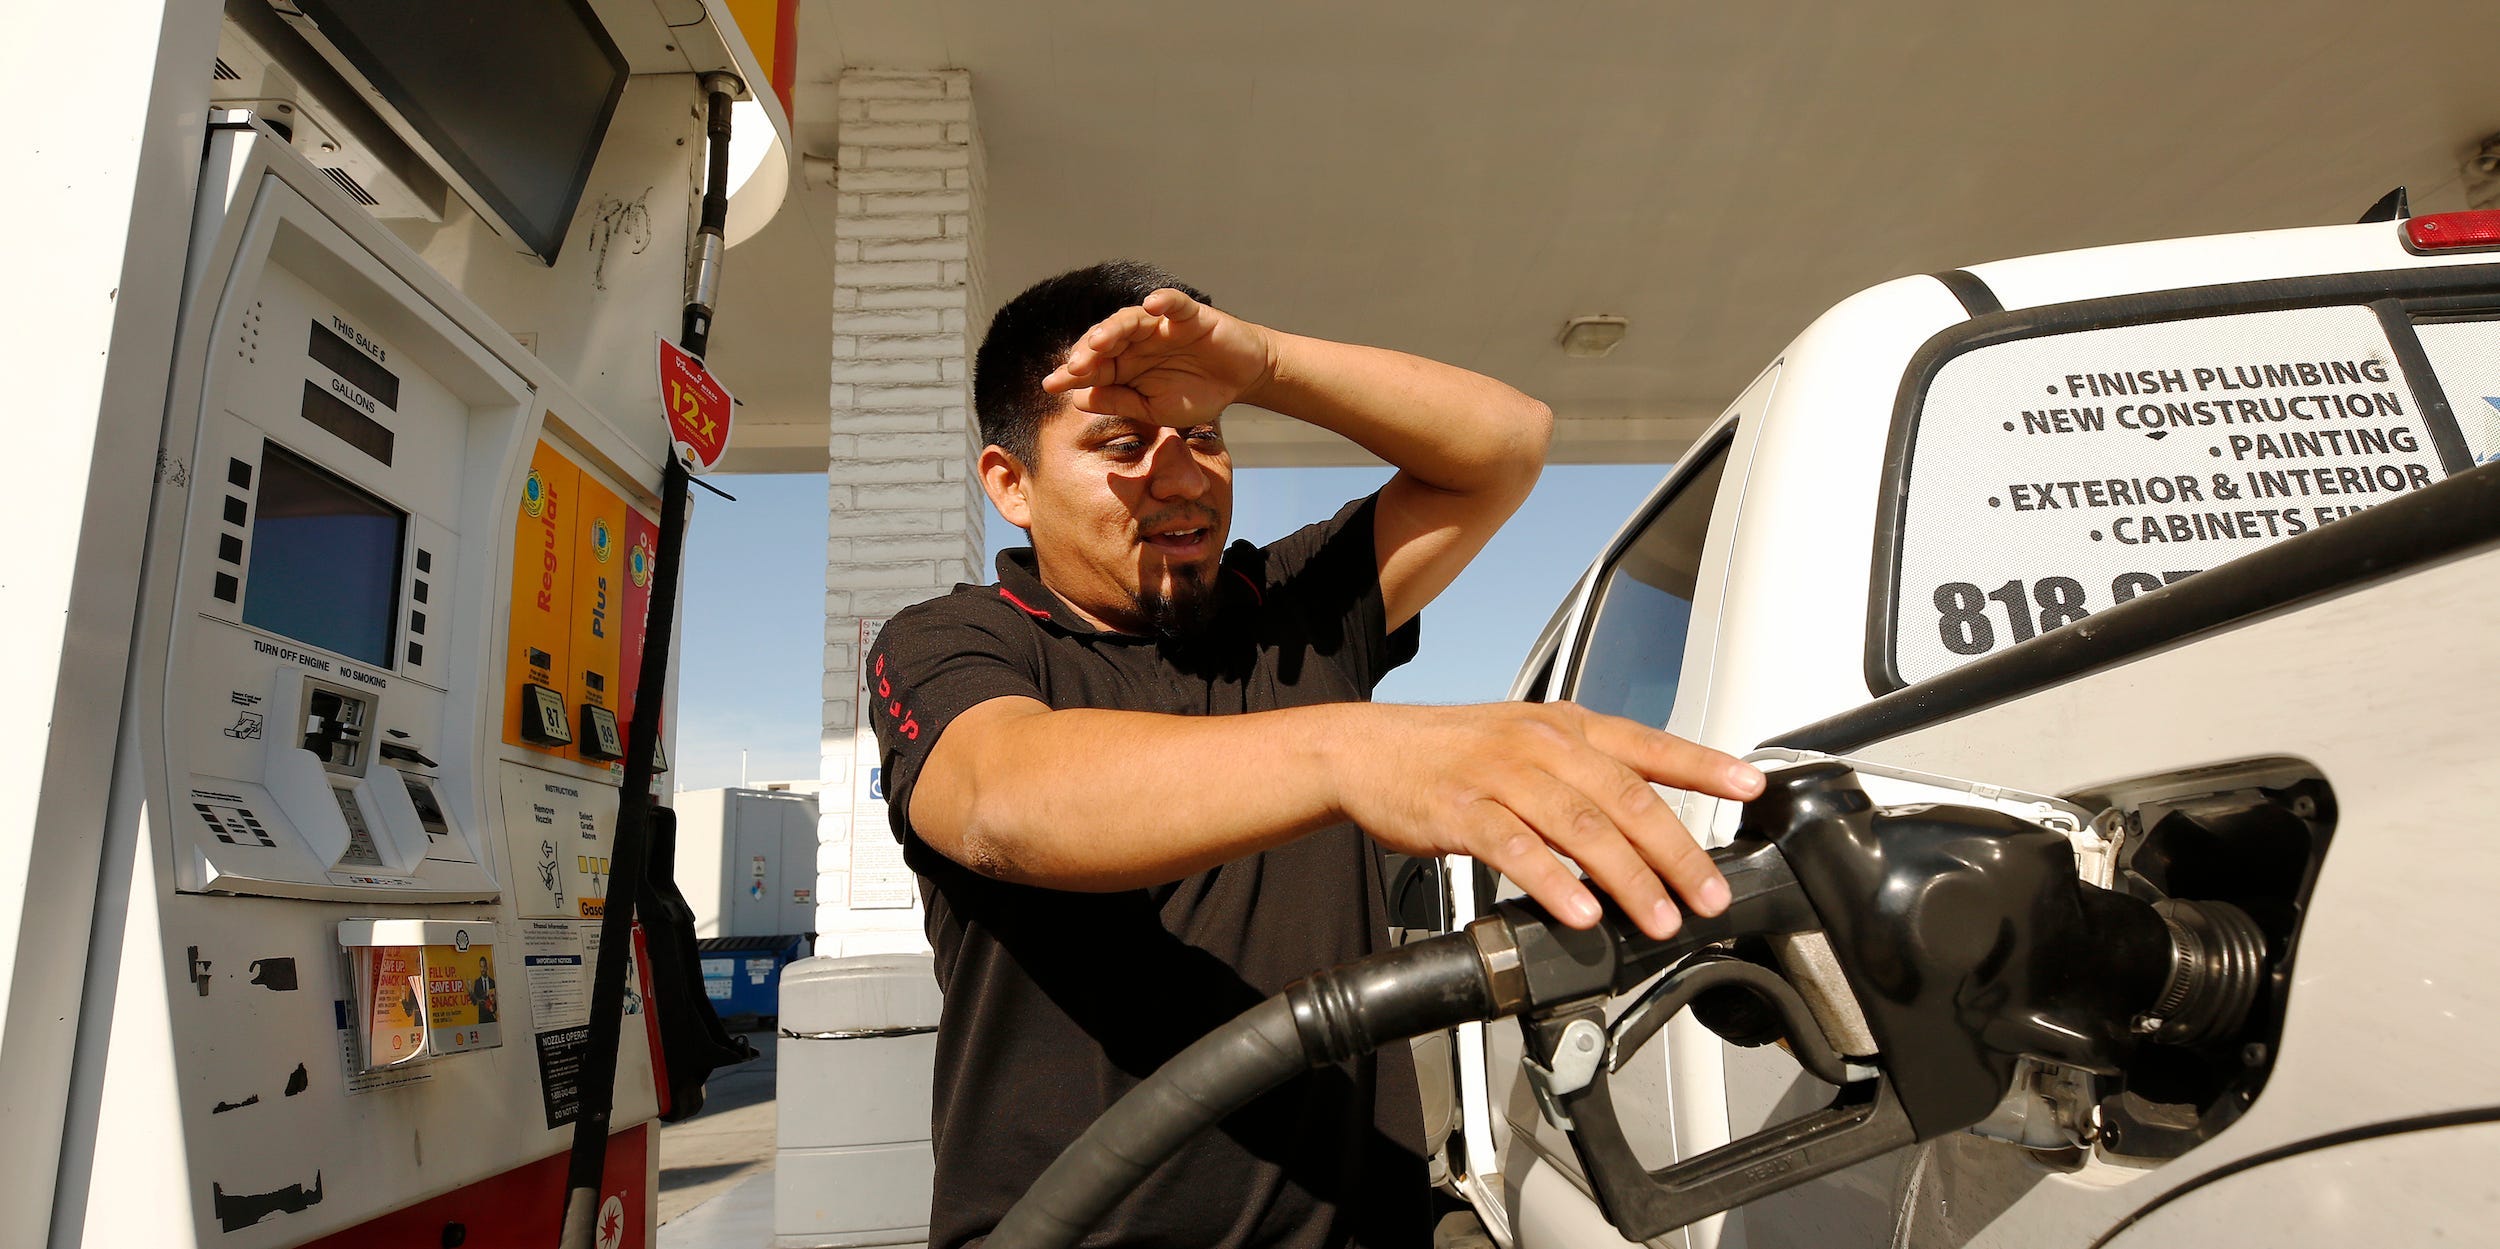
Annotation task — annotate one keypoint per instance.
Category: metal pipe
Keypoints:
(631, 850)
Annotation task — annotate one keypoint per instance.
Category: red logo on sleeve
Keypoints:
(904, 721)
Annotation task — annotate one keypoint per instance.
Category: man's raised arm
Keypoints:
(1467, 448)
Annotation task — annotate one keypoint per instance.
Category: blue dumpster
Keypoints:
(742, 975)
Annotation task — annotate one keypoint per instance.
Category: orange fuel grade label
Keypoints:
(543, 552)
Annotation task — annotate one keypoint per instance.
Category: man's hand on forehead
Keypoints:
(1170, 360)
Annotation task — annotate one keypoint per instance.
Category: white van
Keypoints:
(1964, 533)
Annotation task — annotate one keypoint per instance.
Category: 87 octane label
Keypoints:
(1969, 617)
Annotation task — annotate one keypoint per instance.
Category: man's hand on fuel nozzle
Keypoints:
(1170, 360)
(1518, 784)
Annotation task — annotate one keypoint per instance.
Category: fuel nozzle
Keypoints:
(1930, 909)
(1966, 938)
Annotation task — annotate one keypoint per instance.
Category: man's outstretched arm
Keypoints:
(1015, 790)
(1467, 448)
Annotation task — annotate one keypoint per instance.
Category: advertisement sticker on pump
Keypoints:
(698, 407)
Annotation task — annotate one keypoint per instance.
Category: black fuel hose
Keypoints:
(1334, 1015)
(1512, 960)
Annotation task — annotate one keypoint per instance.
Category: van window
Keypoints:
(1633, 652)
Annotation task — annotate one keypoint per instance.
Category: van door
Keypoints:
(1633, 640)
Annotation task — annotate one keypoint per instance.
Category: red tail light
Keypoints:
(2441, 232)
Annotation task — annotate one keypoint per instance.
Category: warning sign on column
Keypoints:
(2056, 476)
(880, 880)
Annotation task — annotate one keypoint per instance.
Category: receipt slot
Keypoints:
(334, 726)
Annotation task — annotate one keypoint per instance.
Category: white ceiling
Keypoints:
(1458, 178)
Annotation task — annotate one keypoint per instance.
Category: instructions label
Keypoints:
(561, 958)
(552, 954)
(558, 830)
(2058, 476)
(560, 1056)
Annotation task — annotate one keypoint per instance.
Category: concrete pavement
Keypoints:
(741, 1218)
(728, 1144)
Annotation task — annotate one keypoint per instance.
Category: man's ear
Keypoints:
(1003, 477)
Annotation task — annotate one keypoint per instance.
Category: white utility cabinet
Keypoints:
(746, 860)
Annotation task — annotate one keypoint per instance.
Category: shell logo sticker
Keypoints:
(600, 543)
(534, 494)
(638, 562)
(610, 1230)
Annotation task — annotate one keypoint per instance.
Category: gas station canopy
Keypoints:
(1460, 179)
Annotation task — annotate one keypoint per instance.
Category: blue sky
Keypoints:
(753, 640)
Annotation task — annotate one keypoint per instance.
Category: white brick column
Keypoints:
(904, 509)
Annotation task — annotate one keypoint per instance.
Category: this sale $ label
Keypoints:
(698, 407)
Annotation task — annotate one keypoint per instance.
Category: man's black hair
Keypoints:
(1031, 336)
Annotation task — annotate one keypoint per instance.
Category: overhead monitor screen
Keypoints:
(514, 95)
(325, 560)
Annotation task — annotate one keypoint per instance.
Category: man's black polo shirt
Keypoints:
(1058, 1003)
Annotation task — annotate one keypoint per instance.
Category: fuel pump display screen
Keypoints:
(325, 560)
(514, 96)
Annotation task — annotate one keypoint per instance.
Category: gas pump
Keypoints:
(395, 593)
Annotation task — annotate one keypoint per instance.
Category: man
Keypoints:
(482, 993)
(1136, 775)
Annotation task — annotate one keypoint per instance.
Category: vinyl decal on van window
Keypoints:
(2466, 356)
(2056, 476)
